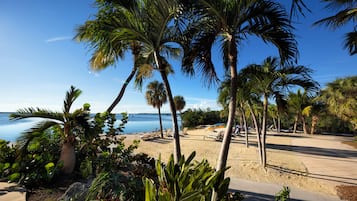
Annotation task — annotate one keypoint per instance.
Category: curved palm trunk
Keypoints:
(223, 154)
(68, 157)
(177, 147)
(258, 132)
(122, 90)
(162, 134)
(264, 130)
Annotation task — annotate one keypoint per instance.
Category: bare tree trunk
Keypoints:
(275, 124)
(295, 123)
(245, 127)
(264, 131)
(304, 125)
(257, 129)
(223, 154)
(314, 120)
(68, 157)
(279, 124)
(162, 134)
(177, 147)
(122, 90)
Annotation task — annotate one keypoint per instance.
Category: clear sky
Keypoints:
(39, 60)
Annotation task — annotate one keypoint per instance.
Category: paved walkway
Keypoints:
(10, 192)
(258, 191)
(327, 159)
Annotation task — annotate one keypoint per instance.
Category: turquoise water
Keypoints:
(10, 130)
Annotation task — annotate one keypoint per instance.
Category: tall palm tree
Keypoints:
(69, 123)
(272, 80)
(156, 96)
(98, 34)
(228, 23)
(347, 14)
(151, 24)
(180, 103)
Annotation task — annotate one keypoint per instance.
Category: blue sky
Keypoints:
(39, 61)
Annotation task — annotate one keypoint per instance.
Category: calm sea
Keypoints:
(10, 130)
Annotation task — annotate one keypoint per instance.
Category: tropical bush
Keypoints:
(187, 180)
(36, 164)
(192, 118)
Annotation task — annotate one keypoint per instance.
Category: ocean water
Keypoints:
(10, 130)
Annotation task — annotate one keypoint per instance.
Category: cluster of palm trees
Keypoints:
(269, 80)
(157, 30)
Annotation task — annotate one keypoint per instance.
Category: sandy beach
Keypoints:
(286, 166)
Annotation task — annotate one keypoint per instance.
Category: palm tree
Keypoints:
(179, 104)
(347, 14)
(156, 96)
(151, 26)
(69, 123)
(229, 23)
(299, 104)
(98, 34)
(272, 80)
(340, 98)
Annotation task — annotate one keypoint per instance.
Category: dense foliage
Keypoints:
(187, 180)
(195, 117)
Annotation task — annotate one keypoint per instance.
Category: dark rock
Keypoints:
(76, 191)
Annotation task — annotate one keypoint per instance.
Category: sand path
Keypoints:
(311, 163)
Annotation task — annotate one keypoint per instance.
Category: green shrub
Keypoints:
(283, 194)
(192, 118)
(186, 180)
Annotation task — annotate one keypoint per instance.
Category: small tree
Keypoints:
(156, 96)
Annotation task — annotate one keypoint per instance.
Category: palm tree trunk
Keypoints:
(162, 134)
(122, 90)
(295, 123)
(279, 124)
(304, 125)
(68, 157)
(245, 127)
(314, 120)
(275, 124)
(258, 132)
(264, 129)
(223, 154)
(177, 147)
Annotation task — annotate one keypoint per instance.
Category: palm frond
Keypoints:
(351, 42)
(71, 96)
(36, 112)
(32, 133)
(298, 7)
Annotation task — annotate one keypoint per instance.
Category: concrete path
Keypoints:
(258, 191)
(327, 159)
(11, 192)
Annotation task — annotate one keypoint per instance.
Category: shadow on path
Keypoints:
(314, 175)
